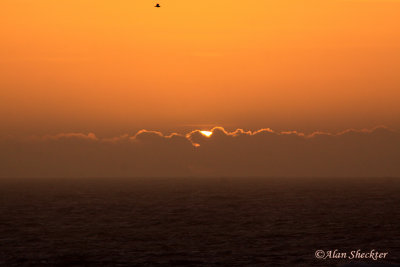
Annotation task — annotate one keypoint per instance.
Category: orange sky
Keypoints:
(118, 66)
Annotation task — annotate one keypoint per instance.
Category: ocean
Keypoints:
(198, 221)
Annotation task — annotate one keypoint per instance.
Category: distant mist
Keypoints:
(361, 153)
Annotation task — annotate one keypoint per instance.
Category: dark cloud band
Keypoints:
(365, 153)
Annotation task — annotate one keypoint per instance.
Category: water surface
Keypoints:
(195, 221)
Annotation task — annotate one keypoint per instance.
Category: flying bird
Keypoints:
(157, 5)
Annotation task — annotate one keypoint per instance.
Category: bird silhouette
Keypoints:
(157, 5)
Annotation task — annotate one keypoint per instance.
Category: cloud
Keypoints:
(373, 152)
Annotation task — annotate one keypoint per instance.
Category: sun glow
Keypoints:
(206, 133)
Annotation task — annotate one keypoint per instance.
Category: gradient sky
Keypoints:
(113, 67)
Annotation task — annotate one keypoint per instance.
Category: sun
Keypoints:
(206, 133)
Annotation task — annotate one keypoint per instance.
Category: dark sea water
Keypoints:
(196, 222)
